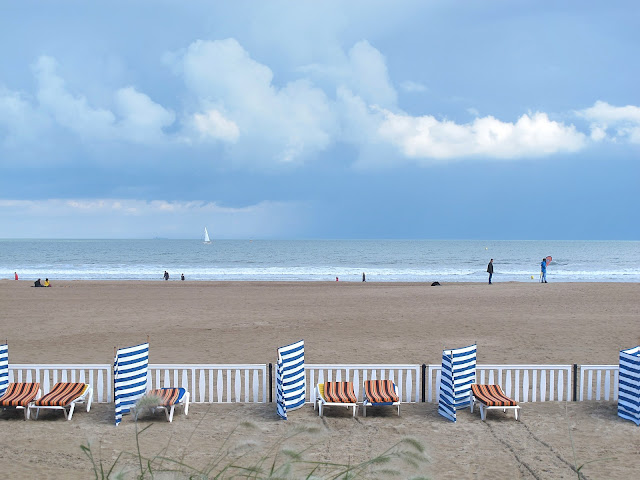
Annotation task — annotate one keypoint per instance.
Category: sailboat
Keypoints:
(206, 236)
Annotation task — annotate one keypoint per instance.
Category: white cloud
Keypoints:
(137, 118)
(17, 116)
(284, 124)
(363, 70)
(431, 139)
(622, 122)
(72, 112)
(142, 120)
(213, 124)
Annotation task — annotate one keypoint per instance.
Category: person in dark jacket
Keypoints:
(490, 270)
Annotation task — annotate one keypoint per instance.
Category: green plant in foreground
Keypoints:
(240, 462)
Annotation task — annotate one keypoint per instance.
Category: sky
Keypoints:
(336, 119)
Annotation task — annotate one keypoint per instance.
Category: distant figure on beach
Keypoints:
(490, 270)
(543, 271)
(46, 282)
(336, 279)
(364, 279)
(16, 274)
(166, 275)
(182, 277)
(37, 283)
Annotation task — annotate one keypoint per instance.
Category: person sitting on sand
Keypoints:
(46, 282)
(37, 283)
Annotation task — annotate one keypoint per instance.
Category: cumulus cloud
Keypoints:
(281, 123)
(21, 121)
(363, 70)
(134, 118)
(70, 111)
(141, 119)
(613, 123)
(213, 124)
(429, 138)
(234, 100)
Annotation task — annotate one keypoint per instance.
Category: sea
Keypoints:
(320, 260)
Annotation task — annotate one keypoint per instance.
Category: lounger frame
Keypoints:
(366, 403)
(321, 402)
(68, 409)
(484, 407)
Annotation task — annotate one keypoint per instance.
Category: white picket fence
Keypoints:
(406, 378)
(606, 382)
(206, 383)
(98, 376)
(523, 383)
(213, 383)
(249, 383)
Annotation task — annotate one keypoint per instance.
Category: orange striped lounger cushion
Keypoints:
(492, 396)
(19, 394)
(380, 392)
(168, 396)
(62, 394)
(339, 392)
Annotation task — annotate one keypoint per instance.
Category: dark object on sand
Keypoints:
(435, 284)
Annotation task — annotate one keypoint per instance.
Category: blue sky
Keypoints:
(306, 119)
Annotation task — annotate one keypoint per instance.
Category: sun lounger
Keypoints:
(338, 394)
(492, 397)
(19, 395)
(64, 396)
(169, 398)
(380, 392)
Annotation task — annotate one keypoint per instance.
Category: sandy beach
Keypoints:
(244, 322)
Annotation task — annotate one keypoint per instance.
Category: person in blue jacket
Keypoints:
(543, 270)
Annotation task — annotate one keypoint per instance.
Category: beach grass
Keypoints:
(241, 457)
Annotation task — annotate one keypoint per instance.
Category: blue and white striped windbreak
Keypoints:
(290, 378)
(129, 377)
(4, 368)
(629, 385)
(457, 375)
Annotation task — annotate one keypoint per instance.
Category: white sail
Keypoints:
(206, 236)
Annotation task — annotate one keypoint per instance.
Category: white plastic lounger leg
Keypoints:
(186, 403)
(90, 399)
(483, 412)
(171, 413)
(355, 409)
(319, 409)
(517, 412)
(71, 408)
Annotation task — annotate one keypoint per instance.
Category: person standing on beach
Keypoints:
(16, 273)
(363, 277)
(166, 275)
(543, 271)
(490, 270)
(182, 277)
